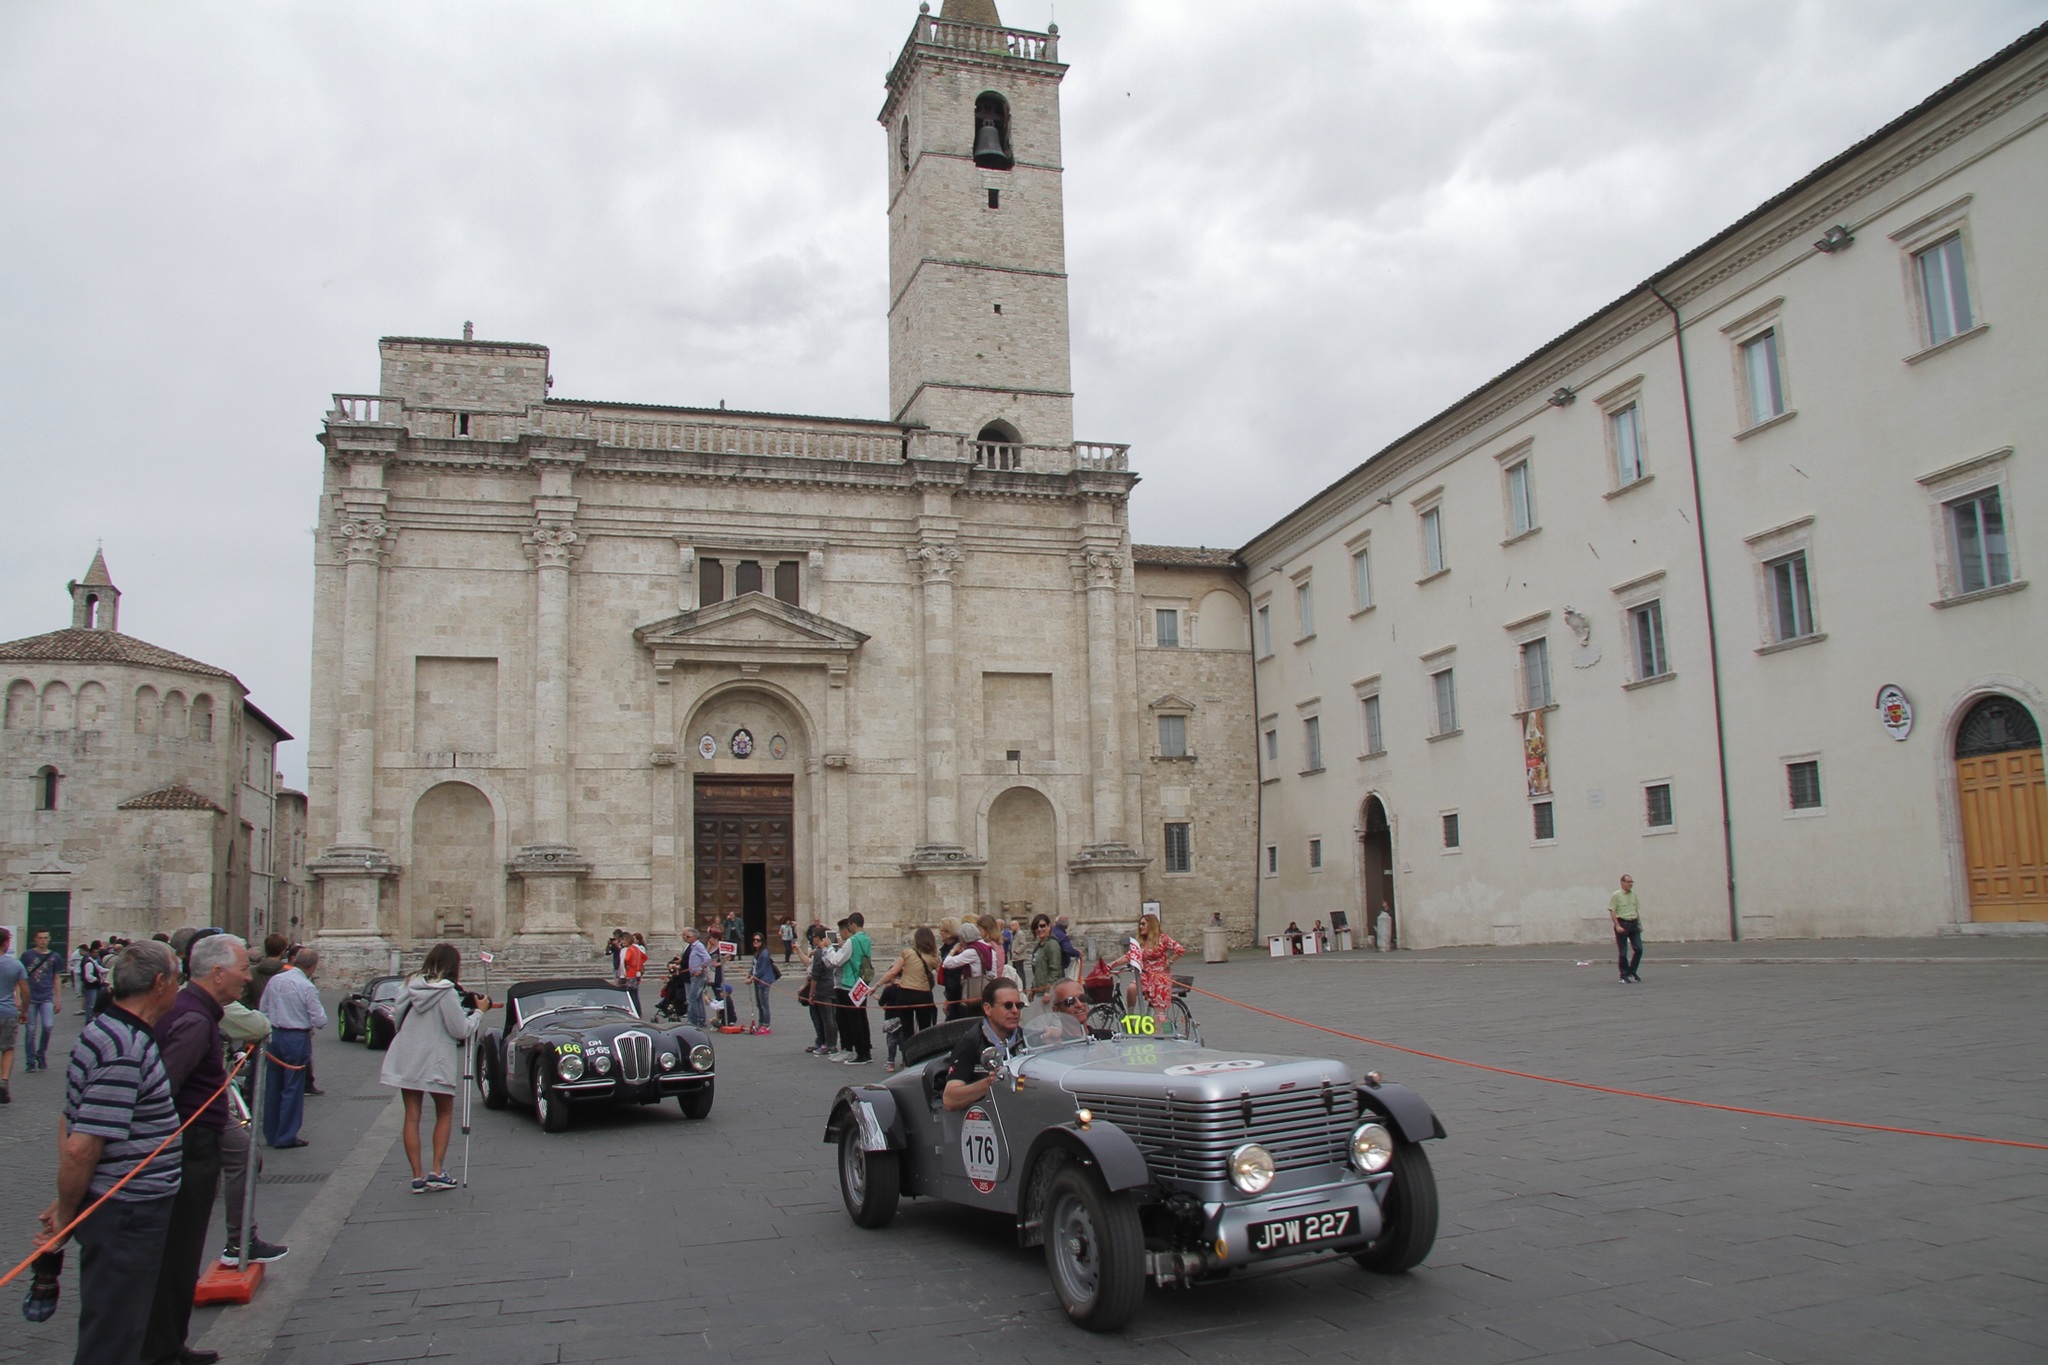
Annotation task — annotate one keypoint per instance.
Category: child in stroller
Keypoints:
(674, 1005)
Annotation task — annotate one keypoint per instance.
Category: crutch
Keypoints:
(468, 1077)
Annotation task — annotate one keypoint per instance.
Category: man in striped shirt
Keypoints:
(119, 1124)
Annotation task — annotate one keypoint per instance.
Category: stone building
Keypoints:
(125, 810)
(1724, 587)
(586, 664)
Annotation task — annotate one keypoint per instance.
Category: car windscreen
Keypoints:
(387, 990)
(575, 998)
(1051, 1029)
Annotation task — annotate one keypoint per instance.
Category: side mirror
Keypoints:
(991, 1060)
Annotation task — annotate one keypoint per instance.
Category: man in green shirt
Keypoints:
(855, 960)
(1627, 914)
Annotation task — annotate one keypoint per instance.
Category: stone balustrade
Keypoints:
(933, 31)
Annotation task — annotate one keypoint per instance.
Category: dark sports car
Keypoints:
(579, 1041)
(368, 1013)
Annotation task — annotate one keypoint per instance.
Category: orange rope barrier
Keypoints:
(1629, 1094)
(57, 1239)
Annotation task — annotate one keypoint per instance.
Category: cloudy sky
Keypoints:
(1294, 231)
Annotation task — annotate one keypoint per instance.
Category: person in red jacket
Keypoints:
(632, 962)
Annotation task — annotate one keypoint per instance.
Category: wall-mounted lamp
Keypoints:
(1563, 398)
(1834, 239)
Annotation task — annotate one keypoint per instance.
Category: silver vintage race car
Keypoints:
(1131, 1159)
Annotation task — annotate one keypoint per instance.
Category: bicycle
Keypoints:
(1114, 1016)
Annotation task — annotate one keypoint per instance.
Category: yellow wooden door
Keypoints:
(2005, 834)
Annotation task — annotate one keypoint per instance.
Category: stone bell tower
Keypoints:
(977, 249)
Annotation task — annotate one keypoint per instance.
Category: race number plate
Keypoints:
(1311, 1229)
(978, 1150)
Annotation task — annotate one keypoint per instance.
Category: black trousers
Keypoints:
(123, 1243)
(170, 1313)
(825, 1023)
(853, 1027)
(1628, 946)
(916, 1010)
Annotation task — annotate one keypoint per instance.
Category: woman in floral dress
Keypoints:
(1154, 954)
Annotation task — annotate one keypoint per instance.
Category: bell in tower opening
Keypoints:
(992, 132)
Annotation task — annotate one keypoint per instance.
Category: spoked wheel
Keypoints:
(695, 1104)
(1180, 1022)
(1407, 1215)
(551, 1109)
(1105, 1018)
(869, 1182)
(1094, 1249)
(490, 1084)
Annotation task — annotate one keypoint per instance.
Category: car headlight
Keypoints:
(569, 1066)
(1372, 1148)
(602, 1063)
(667, 1061)
(700, 1057)
(1251, 1168)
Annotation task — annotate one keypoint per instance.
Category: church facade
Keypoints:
(583, 665)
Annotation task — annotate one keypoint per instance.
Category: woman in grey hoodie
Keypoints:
(425, 1056)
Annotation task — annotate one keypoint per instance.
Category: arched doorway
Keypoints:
(2003, 797)
(1377, 892)
(455, 875)
(1023, 859)
(747, 810)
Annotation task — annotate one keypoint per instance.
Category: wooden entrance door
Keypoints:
(2003, 793)
(745, 844)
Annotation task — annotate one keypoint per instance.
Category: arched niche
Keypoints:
(454, 879)
(92, 706)
(23, 707)
(1220, 622)
(149, 712)
(59, 710)
(176, 715)
(1023, 874)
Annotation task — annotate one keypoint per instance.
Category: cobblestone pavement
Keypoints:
(1576, 1225)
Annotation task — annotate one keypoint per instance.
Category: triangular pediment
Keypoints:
(1170, 702)
(751, 624)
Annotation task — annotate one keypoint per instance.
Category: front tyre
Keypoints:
(1407, 1215)
(1094, 1250)
(869, 1182)
(695, 1104)
(551, 1109)
(348, 1032)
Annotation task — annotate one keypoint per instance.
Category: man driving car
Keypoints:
(1002, 1009)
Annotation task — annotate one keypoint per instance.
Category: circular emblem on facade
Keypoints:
(778, 747)
(707, 747)
(1894, 712)
(742, 743)
(1211, 1068)
(979, 1149)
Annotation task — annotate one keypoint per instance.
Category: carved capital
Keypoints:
(934, 562)
(552, 545)
(363, 539)
(1098, 569)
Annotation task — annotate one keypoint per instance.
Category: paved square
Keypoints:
(1576, 1225)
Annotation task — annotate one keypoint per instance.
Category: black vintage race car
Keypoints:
(579, 1040)
(368, 1014)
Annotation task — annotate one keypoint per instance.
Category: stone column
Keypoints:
(935, 562)
(549, 862)
(834, 890)
(1104, 875)
(666, 798)
(353, 870)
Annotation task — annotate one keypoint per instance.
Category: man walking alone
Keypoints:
(45, 999)
(1627, 914)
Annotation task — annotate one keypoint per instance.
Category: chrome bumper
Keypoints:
(1229, 1224)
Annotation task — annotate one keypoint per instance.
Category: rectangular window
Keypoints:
(1315, 855)
(1305, 608)
(1451, 829)
(1265, 631)
(786, 582)
(1657, 805)
(1173, 736)
(1646, 624)
(1446, 689)
(1536, 674)
(1272, 746)
(1361, 580)
(746, 578)
(1626, 428)
(1178, 855)
(1272, 860)
(1945, 289)
(1543, 817)
(1977, 530)
(1760, 372)
(1433, 541)
(710, 582)
(1791, 597)
(1375, 739)
(1802, 781)
(1312, 742)
(1166, 628)
(1521, 503)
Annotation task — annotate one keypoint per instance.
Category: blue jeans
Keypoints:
(761, 989)
(284, 1089)
(696, 1010)
(40, 1019)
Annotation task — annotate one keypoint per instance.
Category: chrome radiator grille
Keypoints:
(1193, 1139)
(636, 1056)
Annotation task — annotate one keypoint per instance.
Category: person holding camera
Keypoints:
(433, 1026)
